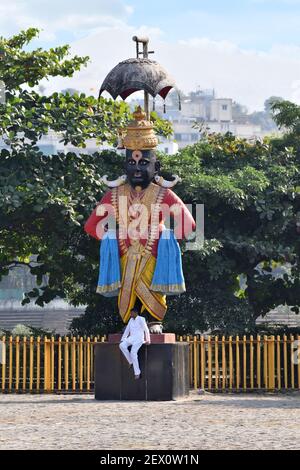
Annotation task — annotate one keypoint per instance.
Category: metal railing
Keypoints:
(66, 364)
(234, 363)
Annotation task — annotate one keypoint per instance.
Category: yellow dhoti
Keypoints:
(137, 272)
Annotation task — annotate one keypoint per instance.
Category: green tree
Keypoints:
(265, 118)
(270, 102)
(28, 115)
(251, 194)
(287, 117)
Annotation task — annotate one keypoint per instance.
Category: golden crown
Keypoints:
(139, 133)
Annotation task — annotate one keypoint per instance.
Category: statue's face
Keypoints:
(141, 166)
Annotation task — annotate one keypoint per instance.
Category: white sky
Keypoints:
(246, 50)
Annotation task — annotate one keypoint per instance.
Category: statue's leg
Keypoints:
(138, 305)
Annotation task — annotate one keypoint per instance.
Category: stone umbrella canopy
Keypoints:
(132, 75)
(138, 74)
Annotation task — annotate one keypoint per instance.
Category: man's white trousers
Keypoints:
(132, 356)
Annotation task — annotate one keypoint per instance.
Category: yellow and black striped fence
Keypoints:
(66, 364)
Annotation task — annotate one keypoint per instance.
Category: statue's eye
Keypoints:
(131, 162)
(144, 162)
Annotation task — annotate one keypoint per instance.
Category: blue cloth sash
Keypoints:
(109, 281)
(168, 275)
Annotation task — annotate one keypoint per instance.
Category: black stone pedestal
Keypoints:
(164, 367)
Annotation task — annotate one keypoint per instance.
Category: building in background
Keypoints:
(202, 111)
(221, 110)
(50, 144)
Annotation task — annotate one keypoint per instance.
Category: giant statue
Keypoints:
(140, 258)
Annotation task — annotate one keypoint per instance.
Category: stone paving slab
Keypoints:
(207, 421)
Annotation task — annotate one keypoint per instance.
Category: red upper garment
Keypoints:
(184, 222)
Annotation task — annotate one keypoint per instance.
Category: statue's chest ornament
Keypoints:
(138, 217)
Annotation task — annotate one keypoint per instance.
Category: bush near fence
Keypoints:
(66, 364)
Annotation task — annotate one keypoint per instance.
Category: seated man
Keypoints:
(135, 335)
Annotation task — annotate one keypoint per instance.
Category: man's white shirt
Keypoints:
(137, 330)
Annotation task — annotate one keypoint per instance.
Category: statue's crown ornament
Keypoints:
(139, 133)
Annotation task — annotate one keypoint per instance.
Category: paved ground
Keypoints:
(209, 421)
